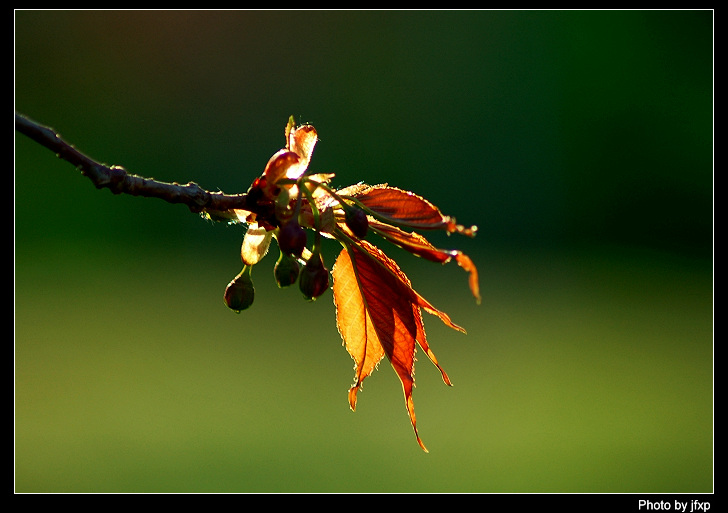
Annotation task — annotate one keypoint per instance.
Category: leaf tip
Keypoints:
(446, 379)
(411, 411)
(467, 264)
(352, 397)
(451, 226)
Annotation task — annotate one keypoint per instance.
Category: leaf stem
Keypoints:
(302, 186)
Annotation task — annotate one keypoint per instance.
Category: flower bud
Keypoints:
(240, 292)
(286, 270)
(356, 221)
(314, 279)
(292, 238)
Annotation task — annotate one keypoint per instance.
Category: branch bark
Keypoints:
(119, 181)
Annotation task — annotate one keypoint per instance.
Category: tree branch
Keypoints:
(119, 181)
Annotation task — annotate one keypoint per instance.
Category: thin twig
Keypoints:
(119, 181)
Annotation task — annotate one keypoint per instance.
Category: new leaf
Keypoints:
(378, 313)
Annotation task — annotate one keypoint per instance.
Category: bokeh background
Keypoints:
(579, 142)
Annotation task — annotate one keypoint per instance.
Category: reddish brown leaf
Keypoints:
(402, 207)
(410, 241)
(418, 245)
(377, 314)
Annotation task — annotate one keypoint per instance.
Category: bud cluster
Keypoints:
(287, 201)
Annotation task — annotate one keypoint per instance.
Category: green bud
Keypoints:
(286, 270)
(240, 292)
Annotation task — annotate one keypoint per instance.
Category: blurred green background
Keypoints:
(579, 142)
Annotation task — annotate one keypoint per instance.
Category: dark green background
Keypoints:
(579, 142)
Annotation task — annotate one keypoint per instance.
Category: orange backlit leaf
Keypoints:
(378, 313)
(302, 140)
